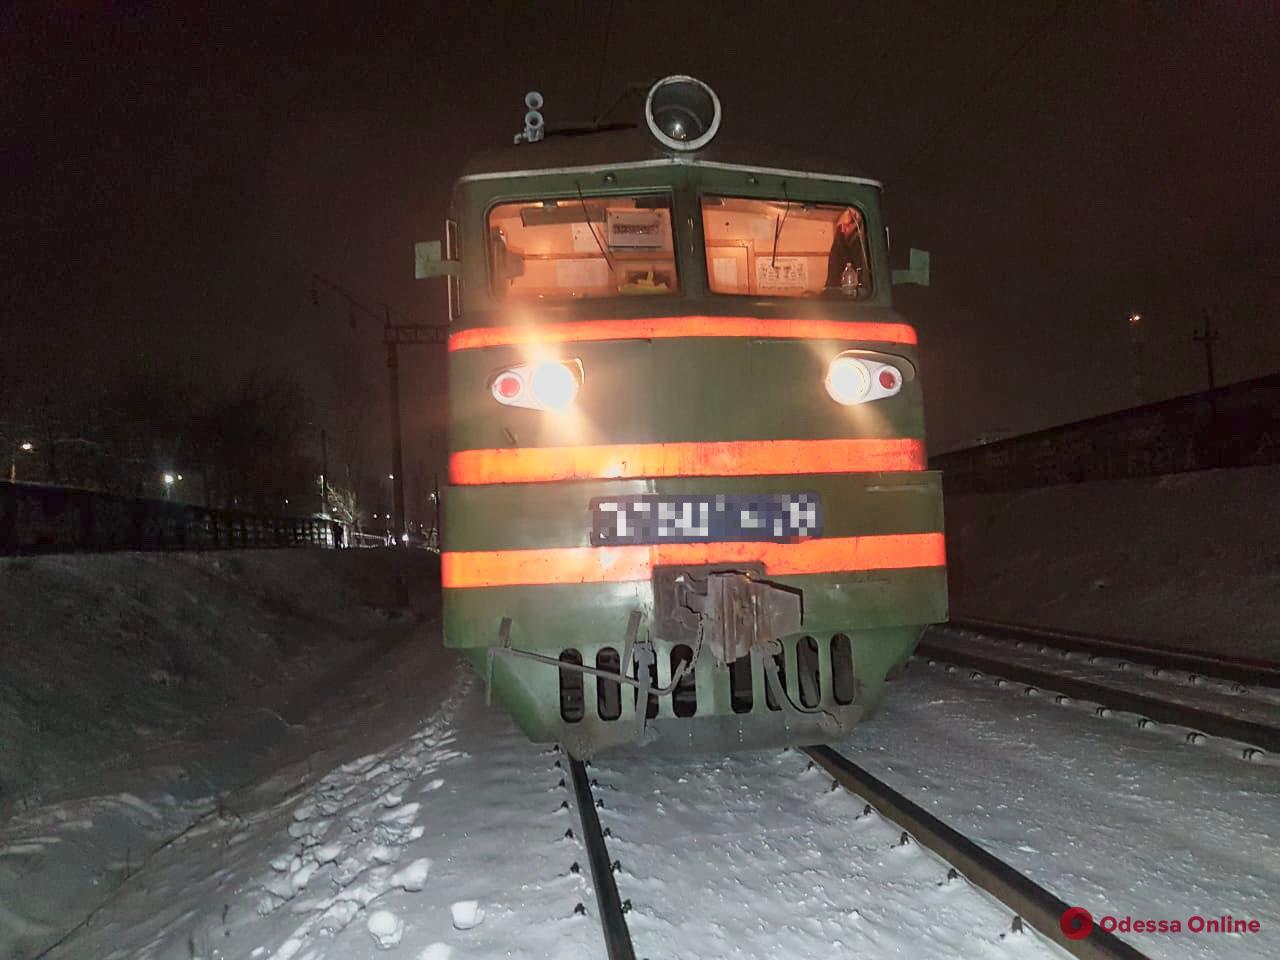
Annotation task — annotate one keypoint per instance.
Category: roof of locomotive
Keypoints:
(634, 146)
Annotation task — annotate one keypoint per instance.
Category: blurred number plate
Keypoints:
(659, 518)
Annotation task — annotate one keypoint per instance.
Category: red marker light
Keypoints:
(888, 378)
(507, 387)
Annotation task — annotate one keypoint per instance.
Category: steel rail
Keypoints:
(617, 938)
(1245, 670)
(1115, 698)
(1036, 905)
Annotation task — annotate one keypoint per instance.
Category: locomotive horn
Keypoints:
(683, 113)
(533, 125)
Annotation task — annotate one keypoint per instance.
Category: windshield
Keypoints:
(578, 248)
(782, 248)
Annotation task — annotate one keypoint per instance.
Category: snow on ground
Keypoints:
(755, 855)
(1188, 559)
(447, 842)
(403, 818)
(1118, 820)
(433, 830)
(1256, 704)
(138, 689)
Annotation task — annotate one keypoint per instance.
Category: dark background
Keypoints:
(174, 175)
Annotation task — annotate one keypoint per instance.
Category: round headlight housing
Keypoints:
(854, 378)
(683, 113)
(554, 385)
(544, 385)
(848, 380)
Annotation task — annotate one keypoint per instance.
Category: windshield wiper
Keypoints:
(587, 216)
(778, 224)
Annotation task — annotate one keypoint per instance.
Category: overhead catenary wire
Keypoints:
(604, 59)
(1035, 34)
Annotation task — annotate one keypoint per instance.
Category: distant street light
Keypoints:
(26, 446)
(1137, 340)
(169, 479)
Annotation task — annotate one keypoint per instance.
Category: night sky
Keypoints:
(174, 175)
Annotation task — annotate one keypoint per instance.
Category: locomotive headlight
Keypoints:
(554, 385)
(540, 385)
(853, 379)
(848, 380)
(682, 113)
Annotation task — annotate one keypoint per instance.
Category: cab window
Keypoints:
(582, 247)
(785, 248)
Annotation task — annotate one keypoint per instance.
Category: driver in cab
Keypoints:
(846, 263)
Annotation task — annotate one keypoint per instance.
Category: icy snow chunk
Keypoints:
(21, 849)
(400, 814)
(413, 877)
(132, 802)
(436, 951)
(435, 784)
(281, 863)
(302, 876)
(268, 903)
(386, 928)
(416, 832)
(383, 853)
(328, 853)
(280, 887)
(335, 919)
(360, 765)
(467, 914)
(287, 949)
(311, 905)
(373, 886)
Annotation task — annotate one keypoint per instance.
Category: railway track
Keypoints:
(1032, 904)
(1235, 715)
(613, 922)
(1245, 670)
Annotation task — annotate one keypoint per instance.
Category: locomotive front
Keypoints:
(688, 503)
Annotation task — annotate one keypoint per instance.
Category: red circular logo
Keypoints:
(1076, 923)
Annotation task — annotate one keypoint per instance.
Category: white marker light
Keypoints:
(848, 380)
(554, 385)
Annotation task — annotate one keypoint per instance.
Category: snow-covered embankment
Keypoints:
(136, 690)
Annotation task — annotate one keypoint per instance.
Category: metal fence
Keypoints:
(1235, 426)
(46, 519)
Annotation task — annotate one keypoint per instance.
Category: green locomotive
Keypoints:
(688, 504)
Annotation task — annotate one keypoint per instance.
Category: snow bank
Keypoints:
(137, 689)
(1189, 560)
